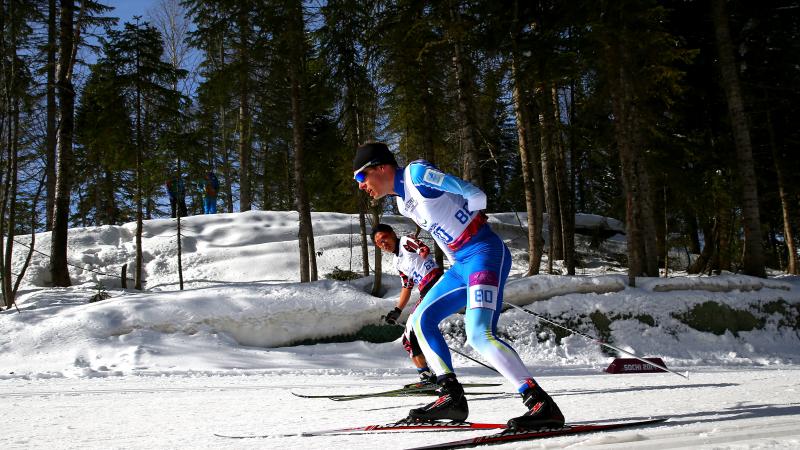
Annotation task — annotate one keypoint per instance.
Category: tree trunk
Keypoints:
(537, 175)
(753, 246)
(362, 225)
(699, 265)
(376, 219)
(10, 196)
(523, 116)
(266, 180)
(724, 236)
(226, 161)
(788, 235)
(227, 175)
(301, 200)
(355, 133)
(245, 150)
(139, 180)
(565, 199)
(549, 180)
(648, 218)
(575, 183)
(694, 239)
(109, 205)
(664, 236)
(147, 191)
(178, 229)
(9, 200)
(640, 219)
(472, 170)
(66, 95)
(308, 263)
(32, 246)
(50, 134)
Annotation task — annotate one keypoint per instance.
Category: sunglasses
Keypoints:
(360, 175)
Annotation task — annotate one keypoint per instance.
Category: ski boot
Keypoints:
(427, 382)
(427, 377)
(451, 404)
(542, 411)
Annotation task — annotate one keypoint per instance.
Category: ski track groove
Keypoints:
(686, 435)
(752, 409)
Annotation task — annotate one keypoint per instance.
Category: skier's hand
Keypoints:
(424, 252)
(393, 315)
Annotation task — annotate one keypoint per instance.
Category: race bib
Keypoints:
(483, 290)
(483, 296)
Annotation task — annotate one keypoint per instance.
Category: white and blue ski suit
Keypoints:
(450, 209)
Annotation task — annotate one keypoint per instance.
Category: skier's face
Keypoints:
(377, 181)
(386, 241)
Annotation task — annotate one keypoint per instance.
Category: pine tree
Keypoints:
(135, 54)
(633, 43)
(105, 147)
(754, 246)
(66, 102)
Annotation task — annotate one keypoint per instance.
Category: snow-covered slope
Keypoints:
(165, 368)
(242, 306)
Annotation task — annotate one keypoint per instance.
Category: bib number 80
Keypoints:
(463, 214)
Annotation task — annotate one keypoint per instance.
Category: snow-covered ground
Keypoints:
(742, 408)
(166, 368)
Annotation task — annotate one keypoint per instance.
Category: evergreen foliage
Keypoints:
(622, 105)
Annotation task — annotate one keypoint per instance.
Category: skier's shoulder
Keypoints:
(426, 177)
(417, 170)
(411, 245)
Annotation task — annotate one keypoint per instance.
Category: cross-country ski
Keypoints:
(400, 426)
(413, 389)
(519, 436)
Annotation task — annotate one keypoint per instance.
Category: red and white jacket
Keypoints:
(413, 268)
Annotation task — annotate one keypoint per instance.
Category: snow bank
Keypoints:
(721, 283)
(59, 328)
(242, 306)
(583, 222)
(220, 248)
(541, 287)
(653, 324)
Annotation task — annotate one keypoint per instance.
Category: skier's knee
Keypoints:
(479, 339)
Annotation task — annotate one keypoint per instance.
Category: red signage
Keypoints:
(633, 365)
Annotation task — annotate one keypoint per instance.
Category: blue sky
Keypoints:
(126, 9)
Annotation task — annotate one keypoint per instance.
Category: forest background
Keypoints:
(673, 116)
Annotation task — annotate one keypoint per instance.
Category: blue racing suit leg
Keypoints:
(487, 264)
(476, 281)
(442, 300)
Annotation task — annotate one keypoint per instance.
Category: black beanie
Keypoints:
(373, 154)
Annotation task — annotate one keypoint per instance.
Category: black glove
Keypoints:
(393, 315)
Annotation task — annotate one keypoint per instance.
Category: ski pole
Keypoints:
(460, 353)
(473, 359)
(599, 341)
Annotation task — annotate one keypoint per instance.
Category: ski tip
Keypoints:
(656, 420)
(306, 395)
(260, 436)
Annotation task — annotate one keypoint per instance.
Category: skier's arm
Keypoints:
(405, 294)
(432, 178)
(414, 245)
